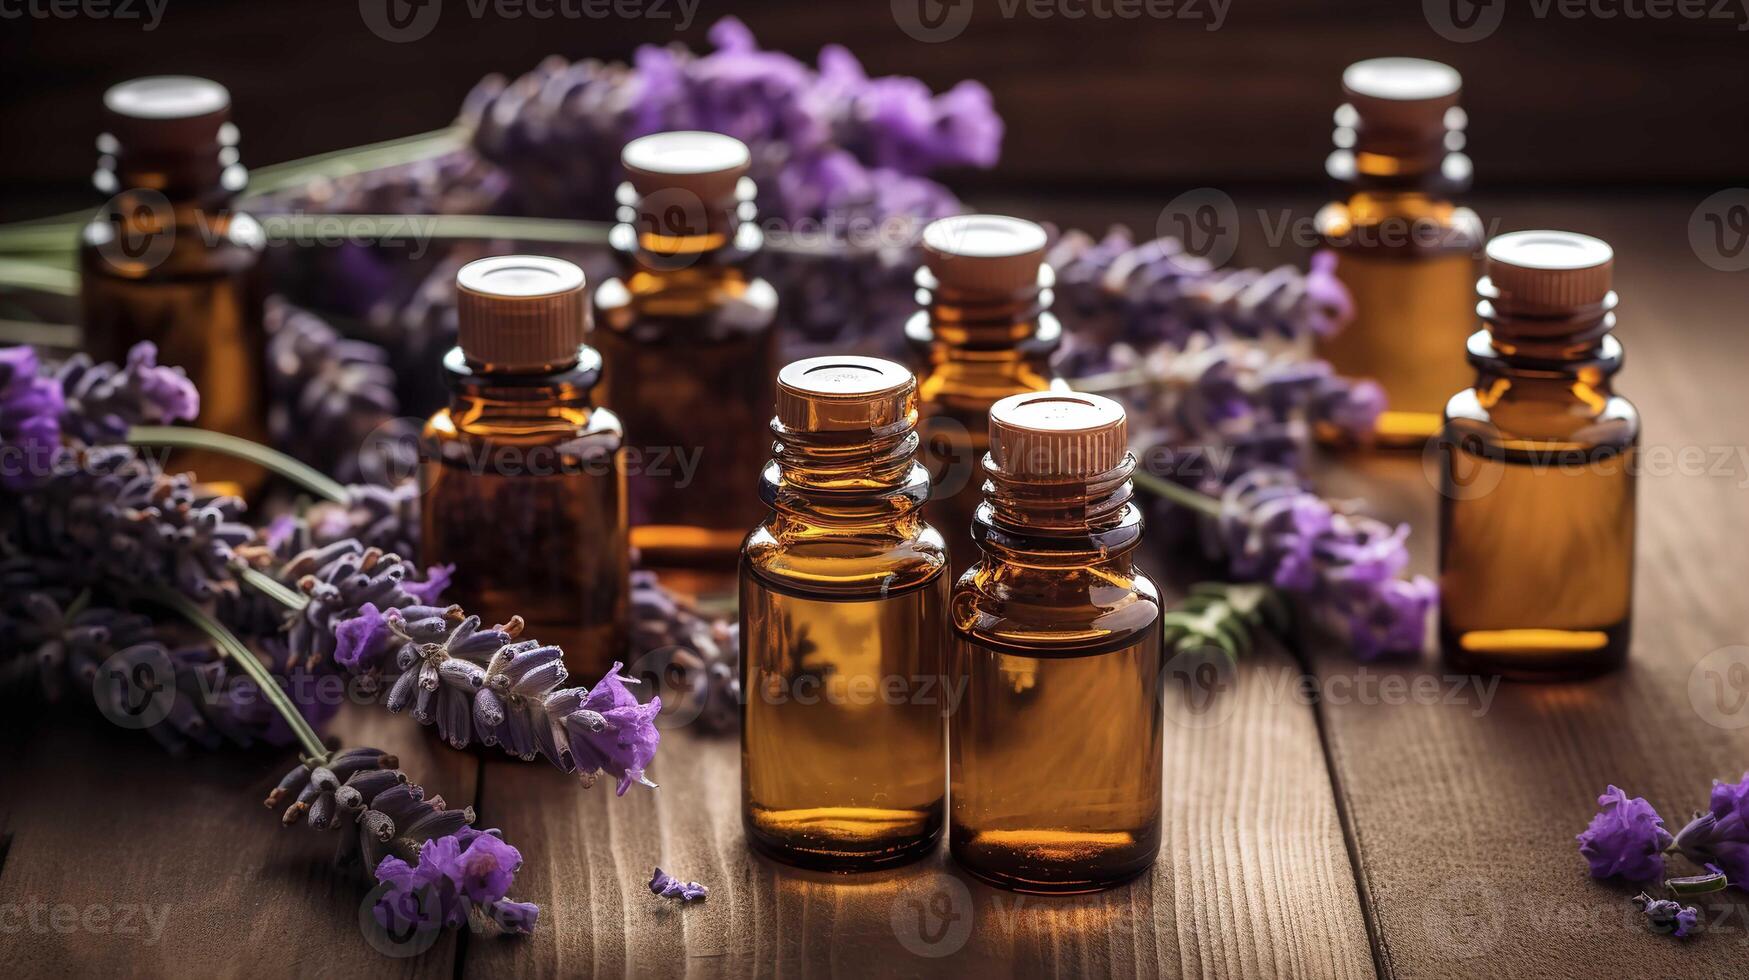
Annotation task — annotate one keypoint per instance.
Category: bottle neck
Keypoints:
(1425, 159)
(975, 338)
(846, 478)
(204, 177)
(1571, 344)
(1031, 522)
(679, 234)
(481, 392)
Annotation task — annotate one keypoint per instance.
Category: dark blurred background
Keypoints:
(1138, 107)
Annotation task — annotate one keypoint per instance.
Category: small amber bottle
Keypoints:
(986, 332)
(1403, 248)
(1055, 747)
(525, 477)
(843, 591)
(690, 349)
(167, 260)
(1538, 460)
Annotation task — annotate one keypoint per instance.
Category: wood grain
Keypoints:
(103, 823)
(1253, 878)
(1464, 821)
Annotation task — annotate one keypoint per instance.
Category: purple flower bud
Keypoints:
(1625, 838)
(664, 884)
(1719, 837)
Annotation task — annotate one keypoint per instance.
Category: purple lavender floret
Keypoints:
(666, 885)
(1626, 838)
(1344, 567)
(30, 420)
(1719, 836)
(1668, 917)
(103, 400)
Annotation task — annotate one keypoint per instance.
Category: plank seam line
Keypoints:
(1381, 950)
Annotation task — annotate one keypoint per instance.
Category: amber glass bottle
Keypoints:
(1538, 469)
(843, 590)
(525, 477)
(168, 261)
(1404, 249)
(690, 350)
(1055, 747)
(986, 332)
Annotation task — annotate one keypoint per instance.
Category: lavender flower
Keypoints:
(829, 141)
(1625, 838)
(1668, 917)
(1344, 567)
(329, 393)
(103, 400)
(1719, 836)
(666, 885)
(692, 656)
(460, 873)
(30, 411)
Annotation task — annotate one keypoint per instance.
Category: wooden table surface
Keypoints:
(1370, 830)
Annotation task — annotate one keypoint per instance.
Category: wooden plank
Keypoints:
(105, 824)
(1253, 878)
(1464, 824)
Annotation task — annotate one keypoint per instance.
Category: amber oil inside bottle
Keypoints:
(1055, 748)
(1537, 465)
(525, 476)
(843, 591)
(986, 332)
(1404, 249)
(690, 351)
(168, 260)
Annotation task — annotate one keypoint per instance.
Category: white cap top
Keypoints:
(685, 152)
(167, 97)
(1404, 79)
(519, 276)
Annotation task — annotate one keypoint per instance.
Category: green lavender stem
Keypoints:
(245, 659)
(1178, 494)
(269, 586)
(182, 437)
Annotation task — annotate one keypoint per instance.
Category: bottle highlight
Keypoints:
(1538, 462)
(986, 332)
(1055, 746)
(525, 476)
(843, 590)
(170, 261)
(687, 335)
(1404, 248)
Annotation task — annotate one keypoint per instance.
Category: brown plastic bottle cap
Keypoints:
(708, 165)
(984, 253)
(1395, 92)
(166, 112)
(845, 393)
(1547, 272)
(1057, 435)
(520, 311)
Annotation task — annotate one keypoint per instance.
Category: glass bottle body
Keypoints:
(186, 277)
(973, 358)
(1056, 745)
(1537, 517)
(525, 494)
(690, 354)
(843, 725)
(1408, 260)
